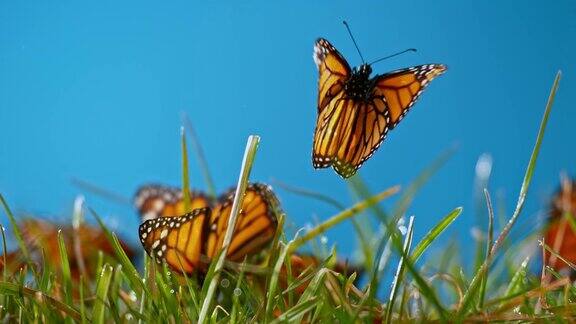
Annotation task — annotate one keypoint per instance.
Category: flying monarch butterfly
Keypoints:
(183, 241)
(559, 234)
(355, 112)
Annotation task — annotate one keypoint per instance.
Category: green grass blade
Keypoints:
(312, 291)
(425, 289)
(434, 233)
(185, 173)
(348, 213)
(210, 188)
(400, 270)
(292, 315)
(488, 246)
(273, 280)
(4, 256)
(21, 244)
(247, 162)
(517, 278)
(102, 294)
(129, 269)
(19, 291)
(65, 267)
(475, 283)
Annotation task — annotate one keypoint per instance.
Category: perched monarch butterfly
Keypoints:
(355, 112)
(559, 235)
(182, 241)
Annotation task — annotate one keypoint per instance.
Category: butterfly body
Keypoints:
(359, 86)
(355, 112)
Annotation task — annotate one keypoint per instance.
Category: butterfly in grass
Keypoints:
(559, 234)
(188, 242)
(355, 111)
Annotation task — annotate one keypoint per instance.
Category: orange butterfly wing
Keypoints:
(153, 201)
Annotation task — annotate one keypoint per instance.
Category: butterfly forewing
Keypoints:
(333, 71)
(153, 201)
(354, 112)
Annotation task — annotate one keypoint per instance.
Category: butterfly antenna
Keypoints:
(353, 40)
(395, 54)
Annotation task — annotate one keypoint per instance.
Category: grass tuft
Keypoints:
(269, 288)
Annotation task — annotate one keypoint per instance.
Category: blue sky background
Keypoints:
(95, 91)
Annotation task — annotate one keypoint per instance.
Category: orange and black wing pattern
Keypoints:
(153, 201)
(182, 241)
(559, 235)
(355, 112)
